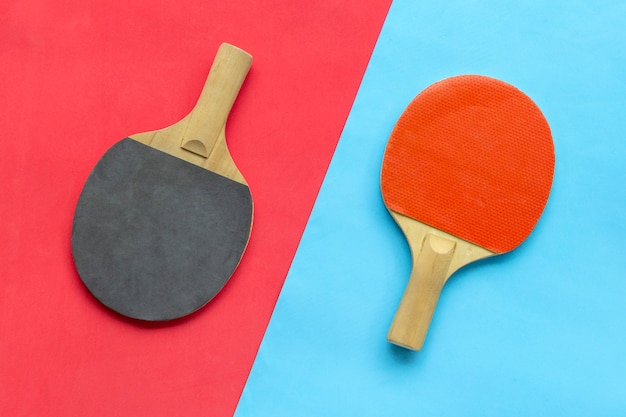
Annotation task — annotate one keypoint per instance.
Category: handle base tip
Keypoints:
(411, 342)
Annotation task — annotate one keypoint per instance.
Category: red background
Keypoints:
(77, 76)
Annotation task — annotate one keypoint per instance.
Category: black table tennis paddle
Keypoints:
(165, 216)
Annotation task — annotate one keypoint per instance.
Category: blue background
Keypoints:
(538, 331)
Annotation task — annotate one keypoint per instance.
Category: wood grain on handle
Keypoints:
(429, 274)
(199, 138)
(436, 256)
(208, 117)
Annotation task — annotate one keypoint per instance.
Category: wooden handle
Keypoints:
(208, 117)
(431, 262)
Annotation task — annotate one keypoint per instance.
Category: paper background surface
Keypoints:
(539, 331)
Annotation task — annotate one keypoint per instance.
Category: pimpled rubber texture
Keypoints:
(472, 156)
(154, 237)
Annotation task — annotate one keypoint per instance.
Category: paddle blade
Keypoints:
(154, 237)
(471, 156)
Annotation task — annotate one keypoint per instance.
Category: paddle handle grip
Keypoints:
(430, 271)
(208, 117)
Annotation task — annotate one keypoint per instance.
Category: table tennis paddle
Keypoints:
(466, 175)
(165, 216)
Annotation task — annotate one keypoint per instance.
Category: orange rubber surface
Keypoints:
(472, 156)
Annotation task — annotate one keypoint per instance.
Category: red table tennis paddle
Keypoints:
(165, 216)
(466, 175)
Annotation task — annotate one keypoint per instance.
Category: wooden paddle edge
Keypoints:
(415, 232)
(168, 140)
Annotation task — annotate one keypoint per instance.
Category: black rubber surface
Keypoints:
(155, 237)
